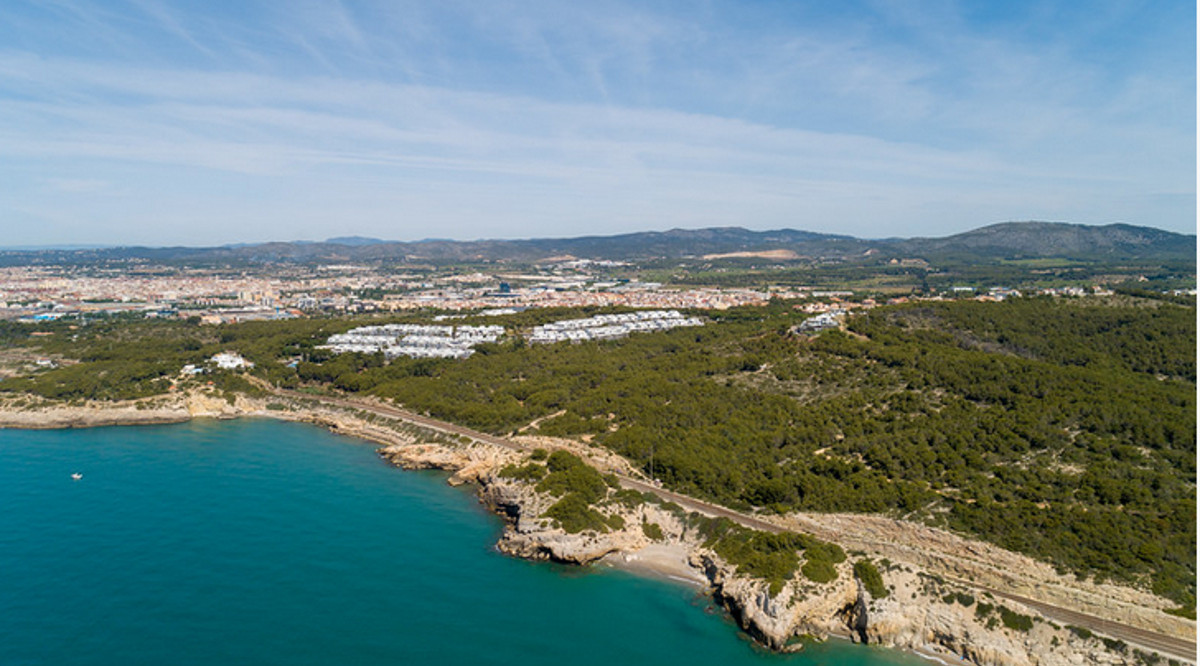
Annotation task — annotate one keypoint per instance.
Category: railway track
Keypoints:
(1168, 645)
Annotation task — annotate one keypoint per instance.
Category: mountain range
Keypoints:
(1010, 240)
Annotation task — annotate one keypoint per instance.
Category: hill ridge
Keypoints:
(1004, 240)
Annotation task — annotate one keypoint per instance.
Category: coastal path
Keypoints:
(1168, 645)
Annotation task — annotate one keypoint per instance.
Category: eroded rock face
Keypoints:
(923, 611)
(915, 614)
(170, 408)
(467, 463)
(532, 536)
(957, 557)
(528, 534)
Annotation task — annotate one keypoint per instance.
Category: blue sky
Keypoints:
(219, 121)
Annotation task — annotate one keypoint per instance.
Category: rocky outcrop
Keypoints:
(986, 565)
(86, 417)
(921, 611)
(468, 462)
(798, 610)
(174, 408)
(528, 533)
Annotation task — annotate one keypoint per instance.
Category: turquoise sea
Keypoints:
(260, 542)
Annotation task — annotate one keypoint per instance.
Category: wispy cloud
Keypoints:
(492, 120)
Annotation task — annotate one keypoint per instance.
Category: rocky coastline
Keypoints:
(920, 611)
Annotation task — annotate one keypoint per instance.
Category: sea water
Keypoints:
(262, 542)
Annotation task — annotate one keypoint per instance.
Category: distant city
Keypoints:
(34, 293)
(286, 291)
(713, 269)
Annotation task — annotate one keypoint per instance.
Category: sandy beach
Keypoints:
(659, 560)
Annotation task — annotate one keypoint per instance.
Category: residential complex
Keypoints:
(415, 341)
(610, 326)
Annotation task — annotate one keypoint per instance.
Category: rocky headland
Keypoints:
(34, 413)
(589, 518)
(913, 610)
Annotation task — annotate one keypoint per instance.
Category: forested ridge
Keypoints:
(1064, 429)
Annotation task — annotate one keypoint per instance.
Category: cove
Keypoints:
(263, 542)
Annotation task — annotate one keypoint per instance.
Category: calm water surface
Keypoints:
(259, 542)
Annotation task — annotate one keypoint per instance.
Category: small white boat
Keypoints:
(76, 476)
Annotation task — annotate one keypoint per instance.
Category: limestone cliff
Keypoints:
(32, 413)
(528, 533)
(920, 611)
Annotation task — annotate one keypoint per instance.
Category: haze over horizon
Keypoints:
(153, 122)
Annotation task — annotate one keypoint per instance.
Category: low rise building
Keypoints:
(231, 361)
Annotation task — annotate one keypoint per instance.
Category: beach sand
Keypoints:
(660, 560)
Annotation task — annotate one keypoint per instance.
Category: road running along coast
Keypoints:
(1170, 645)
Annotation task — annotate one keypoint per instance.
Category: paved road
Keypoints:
(1169, 645)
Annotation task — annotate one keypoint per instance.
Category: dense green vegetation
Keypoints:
(526, 472)
(121, 358)
(578, 485)
(571, 476)
(1009, 618)
(1014, 620)
(771, 557)
(934, 273)
(653, 531)
(1060, 428)
(574, 514)
(961, 598)
(869, 575)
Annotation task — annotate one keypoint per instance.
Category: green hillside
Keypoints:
(1065, 429)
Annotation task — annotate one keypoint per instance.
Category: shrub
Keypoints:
(815, 549)
(560, 461)
(866, 572)
(575, 515)
(1080, 631)
(820, 557)
(527, 472)
(580, 479)
(653, 531)
(1115, 644)
(772, 557)
(819, 571)
(1014, 620)
(628, 498)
